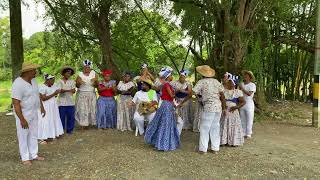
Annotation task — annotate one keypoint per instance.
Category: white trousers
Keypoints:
(28, 139)
(139, 120)
(209, 130)
(247, 116)
(180, 124)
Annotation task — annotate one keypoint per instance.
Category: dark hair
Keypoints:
(147, 84)
(66, 70)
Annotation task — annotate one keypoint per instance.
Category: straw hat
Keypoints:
(206, 71)
(27, 66)
(250, 74)
(146, 80)
(67, 68)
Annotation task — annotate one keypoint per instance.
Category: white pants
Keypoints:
(247, 116)
(28, 139)
(139, 120)
(180, 124)
(209, 128)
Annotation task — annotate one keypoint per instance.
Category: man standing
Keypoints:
(214, 104)
(26, 104)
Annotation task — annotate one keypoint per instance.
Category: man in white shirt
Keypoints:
(26, 103)
(146, 95)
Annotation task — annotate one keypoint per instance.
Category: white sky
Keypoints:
(31, 18)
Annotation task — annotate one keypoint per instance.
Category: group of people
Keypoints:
(157, 108)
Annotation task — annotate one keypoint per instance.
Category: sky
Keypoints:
(31, 18)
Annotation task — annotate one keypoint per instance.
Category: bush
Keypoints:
(5, 74)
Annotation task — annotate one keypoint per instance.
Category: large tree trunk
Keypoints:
(101, 22)
(16, 37)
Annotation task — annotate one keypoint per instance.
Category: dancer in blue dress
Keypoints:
(162, 131)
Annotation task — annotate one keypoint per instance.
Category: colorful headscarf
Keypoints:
(235, 79)
(48, 76)
(87, 63)
(144, 65)
(106, 72)
(184, 72)
(165, 72)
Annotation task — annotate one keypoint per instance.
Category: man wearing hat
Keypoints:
(213, 101)
(65, 101)
(247, 111)
(26, 102)
(146, 102)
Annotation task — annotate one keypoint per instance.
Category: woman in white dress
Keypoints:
(125, 112)
(86, 100)
(49, 126)
(231, 129)
(183, 94)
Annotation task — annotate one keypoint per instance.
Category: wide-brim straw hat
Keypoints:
(28, 66)
(206, 71)
(250, 74)
(146, 80)
(67, 68)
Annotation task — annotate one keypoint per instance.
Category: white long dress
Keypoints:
(49, 126)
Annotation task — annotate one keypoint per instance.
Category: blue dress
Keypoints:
(162, 131)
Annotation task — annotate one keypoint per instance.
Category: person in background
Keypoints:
(247, 111)
(50, 126)
(65, 100)
(146, 103)
(124, 111)
(107, 106)
(86, 100)
(183, 94)
(26, 103)
(213, 102)
(231, 129)
(162, 131)
(144, 74)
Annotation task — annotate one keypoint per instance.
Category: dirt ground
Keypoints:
(284, 146)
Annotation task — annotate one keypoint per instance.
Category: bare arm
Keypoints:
(45, 97)
(223, 101)
(169, 92)
(189, 91)
(79, 82)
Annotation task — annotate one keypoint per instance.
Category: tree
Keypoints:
(16, 37)
(89, 21)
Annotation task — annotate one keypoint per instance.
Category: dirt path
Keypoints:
(282, 148)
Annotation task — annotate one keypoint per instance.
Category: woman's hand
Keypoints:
(234, 108)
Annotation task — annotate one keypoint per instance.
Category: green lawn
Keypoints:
(5, 93)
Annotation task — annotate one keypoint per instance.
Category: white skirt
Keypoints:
(50, 126)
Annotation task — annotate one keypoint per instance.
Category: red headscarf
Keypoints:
(106, 72)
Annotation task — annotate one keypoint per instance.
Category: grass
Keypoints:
(5, 95)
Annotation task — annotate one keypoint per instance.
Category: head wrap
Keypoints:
(106, 72)
(87, 63)
(234, 79)
(184, 73)
(48, 76)
(165, 72)
(144, 65)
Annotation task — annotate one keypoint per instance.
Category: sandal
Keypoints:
(27, 163)
(43, 142)
(39, 158)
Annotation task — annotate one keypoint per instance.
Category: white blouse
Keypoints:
(88, 85)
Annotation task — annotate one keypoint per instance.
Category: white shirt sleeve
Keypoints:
(251, 87)
(42, 89)
(17, 90)
(135, 98)
(73, 84)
